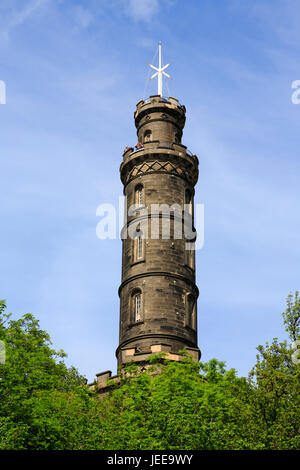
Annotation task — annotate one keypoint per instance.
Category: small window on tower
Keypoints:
(139, 253)
(139, 195)
(190, 254)
(188, 201)
(147, 136)
(137, 306)
(138, 246)
(190, 310)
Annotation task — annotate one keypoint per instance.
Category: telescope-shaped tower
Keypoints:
(158, 293)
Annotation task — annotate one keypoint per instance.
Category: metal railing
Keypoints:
(161, 144)
(163, 99)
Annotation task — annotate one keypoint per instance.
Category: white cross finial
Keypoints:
(160, 71)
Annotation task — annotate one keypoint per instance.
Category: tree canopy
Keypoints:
(169, 405)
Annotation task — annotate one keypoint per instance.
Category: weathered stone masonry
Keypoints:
(158, 293)
(163, 172)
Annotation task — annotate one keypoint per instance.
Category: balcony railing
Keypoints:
(163, 99)
(152, 144)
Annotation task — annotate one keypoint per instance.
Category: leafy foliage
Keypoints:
(33, 386)
(176, 406)
(168, 405)
(291, 316)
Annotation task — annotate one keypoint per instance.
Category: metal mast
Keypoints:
(160, 71)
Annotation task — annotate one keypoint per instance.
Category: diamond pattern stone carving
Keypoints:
(157, 166)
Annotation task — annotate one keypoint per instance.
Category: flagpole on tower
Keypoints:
(160, 71)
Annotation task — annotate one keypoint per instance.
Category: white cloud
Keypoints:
(83, 17)
(19, 16)
(141, 10)
(147, 43)
(281, 19)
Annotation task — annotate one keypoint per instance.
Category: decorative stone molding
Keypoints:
(156, 166)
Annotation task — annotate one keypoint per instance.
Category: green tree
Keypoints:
(275, 381)
(291, 316)
(203, 406)
(177, 405)
(41, 400)
(168, 405)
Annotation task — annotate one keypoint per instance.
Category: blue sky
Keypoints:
(74, 71)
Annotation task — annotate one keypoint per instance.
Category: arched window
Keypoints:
(139, 195)
(187, 256)
(147, 136)
(137, 306)
(138, 246)
(190, 310)
(190, 254)
(188, 201)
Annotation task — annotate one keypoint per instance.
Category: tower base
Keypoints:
(105, 382)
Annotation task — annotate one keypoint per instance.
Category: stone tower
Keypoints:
(158, 294)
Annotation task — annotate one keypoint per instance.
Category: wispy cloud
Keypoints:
(282, 19)
(83, 17)
(18, 16)
(141, 10)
